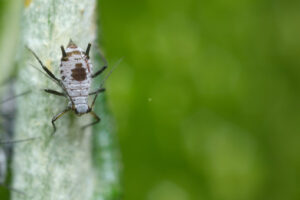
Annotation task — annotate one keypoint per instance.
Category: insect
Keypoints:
(76, 72)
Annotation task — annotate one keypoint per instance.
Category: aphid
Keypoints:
(76, 72)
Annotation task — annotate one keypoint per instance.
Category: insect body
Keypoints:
(76, 76)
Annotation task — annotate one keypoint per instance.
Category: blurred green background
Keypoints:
(206, 98)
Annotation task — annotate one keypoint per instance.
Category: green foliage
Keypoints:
(206, 98)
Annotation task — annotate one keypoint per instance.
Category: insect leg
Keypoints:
(99, 72)
(97, 91)
(102, 58)
(101, 86)
(93, 123)
(64, 54)
(56, 117)
(94, 100)
(87, 52)
(44, 67)
(54, 92)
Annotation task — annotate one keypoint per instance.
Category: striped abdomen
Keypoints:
(76, 71)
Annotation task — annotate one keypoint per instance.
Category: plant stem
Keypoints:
(67, 165)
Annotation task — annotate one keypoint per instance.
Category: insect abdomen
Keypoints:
(76, 71)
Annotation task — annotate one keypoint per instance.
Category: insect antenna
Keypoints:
(42, 72)
(50, 75)
(43, 66)
(46, 75)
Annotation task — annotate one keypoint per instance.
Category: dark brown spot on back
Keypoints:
(78, 73)
(63, 77)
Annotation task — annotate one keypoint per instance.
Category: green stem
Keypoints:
(66, 166)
